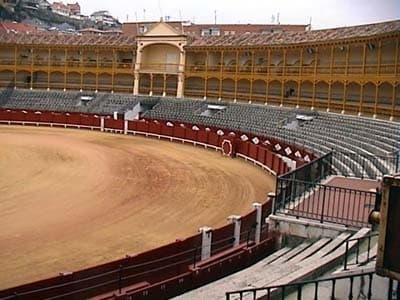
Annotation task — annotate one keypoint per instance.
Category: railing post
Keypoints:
(258, 207)
(101, 124)
(345, 255)
(206, 234)
(125, 127)
(236, 220)
(323, 204)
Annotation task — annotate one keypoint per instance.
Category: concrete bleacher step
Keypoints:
(274, 256)
(336, 242)
(315, 247)
(317, 263)
(284, 266)
(292, 253)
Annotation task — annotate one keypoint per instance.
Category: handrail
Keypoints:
(357, 240)
(299, 286)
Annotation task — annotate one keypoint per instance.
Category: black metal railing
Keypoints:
(314, 171)
(367, 256)
(361, 285)
(324, 203)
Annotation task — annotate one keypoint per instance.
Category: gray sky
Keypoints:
(324, 13)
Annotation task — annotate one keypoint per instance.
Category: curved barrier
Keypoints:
(179, 266)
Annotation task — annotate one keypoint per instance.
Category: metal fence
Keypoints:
(323, 202)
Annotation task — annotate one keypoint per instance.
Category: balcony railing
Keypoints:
(160, 68)
(288, 70)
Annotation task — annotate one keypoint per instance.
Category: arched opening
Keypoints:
(171, 85)
(384, 105)
(57, 80)
(123, 83)
(196, 61)
(368, 99)
(355, 59)
(321, 95)
(306, 94)
(290, 90)
(74, 80)
(337, 90)
(194, 87)
(352, 97)
(274, 92)
(160, 58)
(243, 90)
(7, 78)
(228, 88)
(89, 82)
(212, 88)
(40, 80)
(23, 79)
(104, 82)
(259, 90)
(158, 84)
(144, 84)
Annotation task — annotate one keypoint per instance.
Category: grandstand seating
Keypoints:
(363, 147)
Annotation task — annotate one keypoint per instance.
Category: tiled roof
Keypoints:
(67, 39)
(7, 27)
(278, 38)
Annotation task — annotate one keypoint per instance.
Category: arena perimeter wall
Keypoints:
(177, 267)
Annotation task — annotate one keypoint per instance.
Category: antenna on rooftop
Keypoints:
(277, 19)
(159, 7)
(144, 14)
(215, 17)
(309, 23)
(272, 19)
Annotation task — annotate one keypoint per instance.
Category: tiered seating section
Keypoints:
(363, 147)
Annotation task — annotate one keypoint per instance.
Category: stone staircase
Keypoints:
(303, 261)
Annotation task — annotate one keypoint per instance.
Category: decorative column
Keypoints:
(206, 236)
(136, 71)
(181, 74)
(236, 220)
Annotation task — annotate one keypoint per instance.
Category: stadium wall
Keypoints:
(177, 267)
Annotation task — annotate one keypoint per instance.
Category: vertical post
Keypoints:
(323, 205)
(257, 206)
(137, 70)
(125, 126)
(164, 92)
(15, 66)
(65, 68)
(102, 124)
(120, 279)
(206, 235)
(32, 63)
(48, 68)
(272, 198)
(236, 231)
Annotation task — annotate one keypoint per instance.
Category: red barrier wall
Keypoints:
(164, 267)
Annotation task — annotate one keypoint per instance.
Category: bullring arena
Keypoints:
(167, 163)
(88, 198)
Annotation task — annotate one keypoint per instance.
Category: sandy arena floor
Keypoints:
(70, 199)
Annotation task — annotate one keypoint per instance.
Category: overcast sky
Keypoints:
(323, 13)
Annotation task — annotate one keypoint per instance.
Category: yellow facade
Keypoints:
(357, 75)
